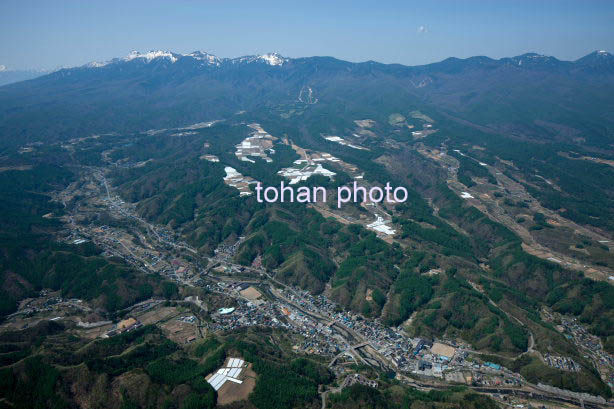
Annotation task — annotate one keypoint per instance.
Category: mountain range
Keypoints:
(163, 89)
(596, 59)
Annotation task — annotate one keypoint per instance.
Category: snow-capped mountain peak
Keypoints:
(2, 68)
(151, 55)
(272, 59)
(203, 56)
(136, 55)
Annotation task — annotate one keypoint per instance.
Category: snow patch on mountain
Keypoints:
(151, 55)
(206, 57)
(96, 64)
(272, 59)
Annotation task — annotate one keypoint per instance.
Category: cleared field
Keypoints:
(156, 315)
(233, 392)
(251, 293)
(179, 332)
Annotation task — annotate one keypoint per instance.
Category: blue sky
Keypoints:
(48, 34)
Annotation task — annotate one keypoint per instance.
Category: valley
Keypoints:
(324, 327)
(139, 257)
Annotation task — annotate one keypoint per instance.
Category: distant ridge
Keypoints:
(160, 89)
(275, 59)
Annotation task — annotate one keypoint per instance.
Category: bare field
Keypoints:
(157, 314)
(233, 392)
(178, 331)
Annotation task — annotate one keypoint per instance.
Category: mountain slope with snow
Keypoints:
(159, 89)
(272, 59)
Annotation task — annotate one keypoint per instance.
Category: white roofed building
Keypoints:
(229, 372)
